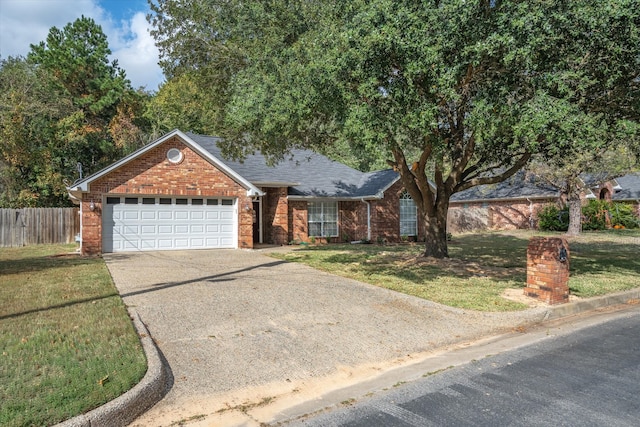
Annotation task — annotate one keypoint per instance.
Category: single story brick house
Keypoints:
(178, 192)
(515, 202)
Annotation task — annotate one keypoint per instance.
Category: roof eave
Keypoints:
(504, 199)
(275, 184)
(335, 198)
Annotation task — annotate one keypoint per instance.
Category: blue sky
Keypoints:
(25, 22)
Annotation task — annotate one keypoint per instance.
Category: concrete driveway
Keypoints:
(246, 335)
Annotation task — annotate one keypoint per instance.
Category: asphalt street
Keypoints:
(589, 377)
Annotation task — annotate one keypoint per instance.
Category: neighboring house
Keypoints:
(515, 202)
(180, 193)
(510, 204)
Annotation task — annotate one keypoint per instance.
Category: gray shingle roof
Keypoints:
(519, 186)
(630, 187)
(306, 173)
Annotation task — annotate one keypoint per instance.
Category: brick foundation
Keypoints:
(547, 274)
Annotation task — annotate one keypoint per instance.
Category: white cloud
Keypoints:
(137, 53)
(26, 22)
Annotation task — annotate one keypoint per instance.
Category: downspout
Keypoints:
(368, 218)
(530, 213)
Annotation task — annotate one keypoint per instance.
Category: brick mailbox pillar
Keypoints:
(548, 269)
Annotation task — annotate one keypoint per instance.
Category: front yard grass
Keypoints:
(482, 266)
(67, 344)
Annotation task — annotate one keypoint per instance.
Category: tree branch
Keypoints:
(484, 180)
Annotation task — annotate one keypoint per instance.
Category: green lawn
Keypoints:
(67, 344)
(482, 266)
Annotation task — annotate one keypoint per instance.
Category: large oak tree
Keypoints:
(456, 93)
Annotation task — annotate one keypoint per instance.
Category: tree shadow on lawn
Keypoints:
(42, 263)
(494, 256)
(587, 258)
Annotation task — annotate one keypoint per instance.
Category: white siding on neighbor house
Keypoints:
(140, 223)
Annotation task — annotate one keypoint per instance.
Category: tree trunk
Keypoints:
(575, 217)
(435, 228)
(575, 210)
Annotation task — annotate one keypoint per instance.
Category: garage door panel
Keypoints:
(149, 229)
(129, 245)
(128, 215)
(165, 214)
(197, 243)
(182, 243)
(149, 215)
(147, 226)
(213, 241)
(181, 229)
(165, 229)
(130, 230)
(197, 229)
(165, 243)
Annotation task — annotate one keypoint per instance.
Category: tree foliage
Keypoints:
(65, 104)
(456, 93)
(182, 104)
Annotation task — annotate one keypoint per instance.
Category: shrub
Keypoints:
(594, 215)
(552, 218)
(622, 215)
(619, 215)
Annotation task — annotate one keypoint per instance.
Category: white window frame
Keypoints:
(408, 215)
(324, 214)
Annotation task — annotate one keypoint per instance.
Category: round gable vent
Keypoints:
(174, 155)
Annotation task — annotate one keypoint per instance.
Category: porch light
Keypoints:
(92, 206)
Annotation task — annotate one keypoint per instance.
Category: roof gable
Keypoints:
(83, 185)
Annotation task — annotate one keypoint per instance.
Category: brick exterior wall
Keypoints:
(275, 216)
(352, 219)
(153, 174)
(547, 274)
(496, 215)
(298, 221)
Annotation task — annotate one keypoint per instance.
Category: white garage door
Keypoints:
(156, 223)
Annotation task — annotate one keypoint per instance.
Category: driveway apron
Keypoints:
(233, 324)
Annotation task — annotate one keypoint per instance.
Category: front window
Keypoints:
(408, 216)
(323, 219)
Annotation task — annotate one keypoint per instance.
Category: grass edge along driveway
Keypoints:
(67, 344)
(482, 266)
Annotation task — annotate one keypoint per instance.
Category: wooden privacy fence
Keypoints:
(31, 226)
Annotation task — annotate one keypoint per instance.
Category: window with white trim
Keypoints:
(408, 215)
(323, 219)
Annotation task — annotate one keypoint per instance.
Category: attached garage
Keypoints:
(143, 223)
(170, 194)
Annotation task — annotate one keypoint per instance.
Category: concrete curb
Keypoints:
(569, 309)
(124, 409)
